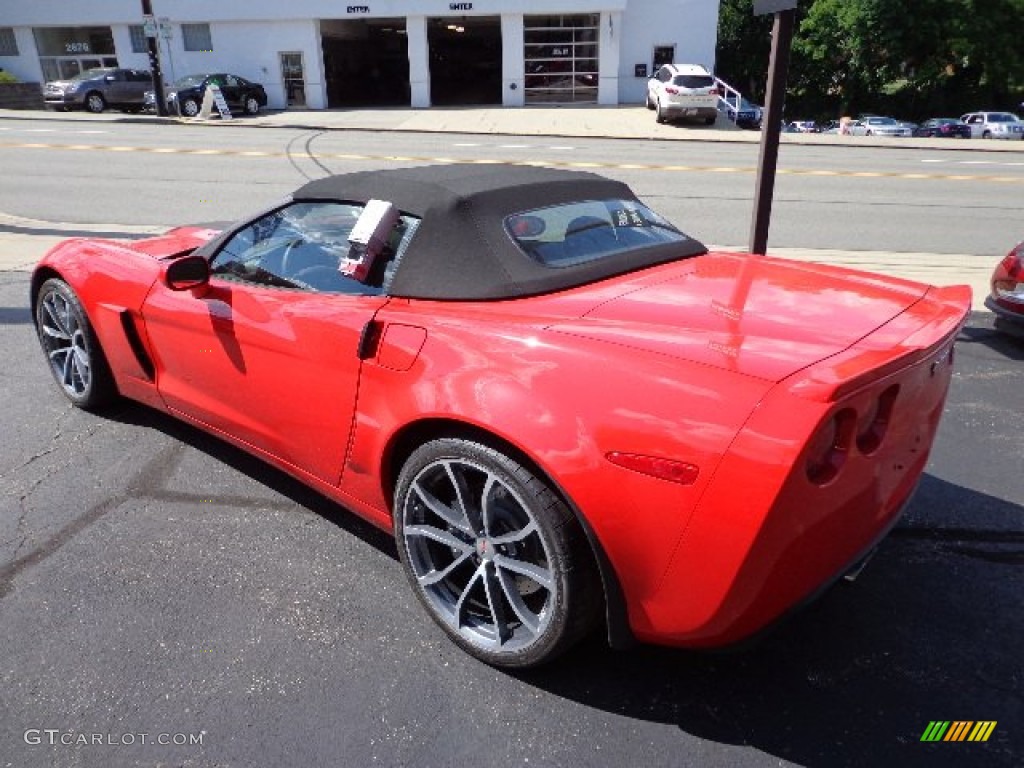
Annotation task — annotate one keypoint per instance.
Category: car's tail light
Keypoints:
(1008, 276)
(670, 89)
(875, 420)
(656, 466)
(713, 92)
(830, 446)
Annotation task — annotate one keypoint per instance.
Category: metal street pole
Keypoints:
(771, 123)
(154, 58)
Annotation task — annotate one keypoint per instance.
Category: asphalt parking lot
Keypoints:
(156, 581)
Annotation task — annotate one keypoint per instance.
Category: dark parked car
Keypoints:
(186, 96)
(943, 127)
(746, 116)
(99, 88)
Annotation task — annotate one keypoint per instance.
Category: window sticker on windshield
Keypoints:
(627, 217)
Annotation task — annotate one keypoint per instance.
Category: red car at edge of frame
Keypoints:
(569, 413)
(1006, 298)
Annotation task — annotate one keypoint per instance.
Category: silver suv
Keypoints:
(683, 90)
(994, 125)
(97, 89)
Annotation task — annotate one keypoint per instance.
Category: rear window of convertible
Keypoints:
(576, 233)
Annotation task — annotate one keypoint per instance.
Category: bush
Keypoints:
(7, 77)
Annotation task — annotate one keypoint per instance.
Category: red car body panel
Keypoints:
(730, 363)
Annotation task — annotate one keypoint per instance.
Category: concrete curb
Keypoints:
(621, 122)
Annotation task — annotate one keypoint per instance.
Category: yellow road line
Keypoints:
(910, 176)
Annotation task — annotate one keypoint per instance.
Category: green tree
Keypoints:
(744, 42)
(913, 58)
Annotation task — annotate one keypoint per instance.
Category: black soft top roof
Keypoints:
(461, 250)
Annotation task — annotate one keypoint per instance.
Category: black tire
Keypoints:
(709, 121)
(94, 102)
(250, 104)
(498, 560)
(659, 114)
(986, 135)
(649, 104)
(189, 107)
(72, 350)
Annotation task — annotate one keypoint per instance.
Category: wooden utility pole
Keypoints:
(771, 120)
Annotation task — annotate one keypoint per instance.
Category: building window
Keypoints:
(196, 37)
(8, 45)
(139, 44)
(561, 58)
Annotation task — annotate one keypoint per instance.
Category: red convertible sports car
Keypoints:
(567, 410)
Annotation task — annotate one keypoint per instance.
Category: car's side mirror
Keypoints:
(109, 78)
(187, 273)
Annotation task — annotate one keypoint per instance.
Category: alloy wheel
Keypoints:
(64, 341)
(478, 554)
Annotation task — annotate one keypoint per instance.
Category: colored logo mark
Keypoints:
(958, 730)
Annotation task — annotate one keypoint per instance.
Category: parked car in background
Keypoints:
(802, 126)
(994, 125)
(943, 127)
(99, 88)
(1007, 297)
(683, 91)
(186, 96)
(875, 125)
(744, 114)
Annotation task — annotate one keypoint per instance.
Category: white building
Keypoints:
(329, 53)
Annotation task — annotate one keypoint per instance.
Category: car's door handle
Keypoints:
(368, 340)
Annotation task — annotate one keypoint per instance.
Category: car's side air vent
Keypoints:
(131, 333)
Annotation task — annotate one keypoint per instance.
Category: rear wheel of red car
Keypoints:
(497, 559)
(72, 350)
(95, 102)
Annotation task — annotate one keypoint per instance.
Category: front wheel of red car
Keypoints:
(497, 558)
(71, 348)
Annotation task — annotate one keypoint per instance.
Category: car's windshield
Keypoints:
(693, 81)
(91, 74)
(189, 81)
(305, 245)
(576, 233)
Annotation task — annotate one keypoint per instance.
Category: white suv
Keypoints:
(994, 125)
(683, 90)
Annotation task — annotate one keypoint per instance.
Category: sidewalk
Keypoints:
(612, 122)
(23, 242)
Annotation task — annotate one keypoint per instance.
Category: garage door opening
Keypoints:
(465, 60)
(366, 62)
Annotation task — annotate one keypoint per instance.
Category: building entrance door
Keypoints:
(465, 60)
(366, 62)
(294, 79)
